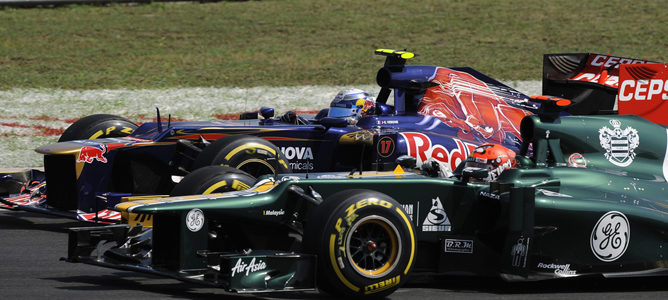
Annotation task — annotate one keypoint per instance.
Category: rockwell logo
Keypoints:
(560, 270)
(241, 267)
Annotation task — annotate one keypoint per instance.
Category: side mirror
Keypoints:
(266, 112)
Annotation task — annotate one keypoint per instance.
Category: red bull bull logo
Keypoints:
(90, 153)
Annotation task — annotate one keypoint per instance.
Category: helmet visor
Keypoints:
(341, 111)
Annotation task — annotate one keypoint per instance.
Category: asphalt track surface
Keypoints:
(31, 246)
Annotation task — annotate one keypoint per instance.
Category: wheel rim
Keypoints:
(372, 246)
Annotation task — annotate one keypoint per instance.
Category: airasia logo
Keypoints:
(421, 147)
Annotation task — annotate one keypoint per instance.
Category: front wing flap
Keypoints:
(129, 248)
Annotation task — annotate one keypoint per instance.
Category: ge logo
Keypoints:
(610, 236)
(195, 220)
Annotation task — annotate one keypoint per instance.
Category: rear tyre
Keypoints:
(213, 179)
(98, 126)
(364, 242)
(251, 154)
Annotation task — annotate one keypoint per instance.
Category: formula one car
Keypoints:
(436, 113)
(587, 198)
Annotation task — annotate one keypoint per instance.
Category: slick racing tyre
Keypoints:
(98, 126)
(251, 154)
(213, 179)
(364, 242)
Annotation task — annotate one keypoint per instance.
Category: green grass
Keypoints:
(279, 43)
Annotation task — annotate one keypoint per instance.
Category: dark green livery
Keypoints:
(588, 198)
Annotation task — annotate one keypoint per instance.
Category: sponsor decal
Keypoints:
(437, 219)
(388, 122)
(576, 160)
(296, 155)
(559, 270)
(89, 153)
(246, 268)
(195, 220)
(619, 144)
(610, 237)
(519, 252)
(301, 165)
(273, 212)
(490, 195)
(382, 285)
(297, 152)
(420, 146)
(408, 208)
(458, 246)
(643, 91)
(385, 146)
(604, 69)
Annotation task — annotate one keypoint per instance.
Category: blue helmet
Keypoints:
(352, 103)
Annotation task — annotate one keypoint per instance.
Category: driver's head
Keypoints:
(352, 103)
(495, 158)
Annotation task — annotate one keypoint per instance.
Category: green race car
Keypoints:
(587, 197)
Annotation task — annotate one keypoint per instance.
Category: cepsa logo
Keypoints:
(421, 147)
(643, 90)
(598, 66)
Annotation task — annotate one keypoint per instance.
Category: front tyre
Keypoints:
(213, 179)
(364, 241)
(250, 154)
(98, 126)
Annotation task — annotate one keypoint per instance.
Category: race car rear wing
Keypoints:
(643, 90)
(590, 80)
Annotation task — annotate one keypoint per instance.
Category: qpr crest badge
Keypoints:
(619, 143)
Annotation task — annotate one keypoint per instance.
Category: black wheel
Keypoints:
(98, 126)
(251, 154)
(364, 242)
(213, 179)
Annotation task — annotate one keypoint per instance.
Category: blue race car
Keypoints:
(437, 115)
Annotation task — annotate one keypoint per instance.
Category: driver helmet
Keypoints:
(352, 103)
(495, 158)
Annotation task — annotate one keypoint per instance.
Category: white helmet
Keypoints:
(352, 103)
